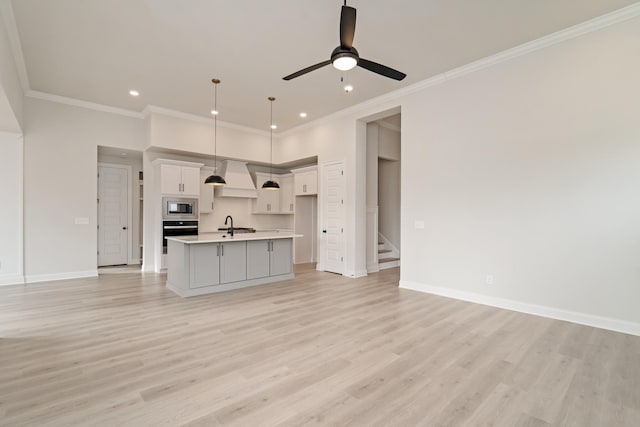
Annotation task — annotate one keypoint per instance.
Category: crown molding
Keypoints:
(199, 119)
(83, 104)
(575, 31)
(6, 10)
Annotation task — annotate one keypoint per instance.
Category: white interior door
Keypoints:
(113, 213)
(333, 190)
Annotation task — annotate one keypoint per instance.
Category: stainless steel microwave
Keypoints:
(179, 208)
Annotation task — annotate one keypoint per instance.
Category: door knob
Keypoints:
(124, 228)
(324, 231)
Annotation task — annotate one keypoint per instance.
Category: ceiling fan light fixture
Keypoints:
(344, 61)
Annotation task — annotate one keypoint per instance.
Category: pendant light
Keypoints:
(271, 184)
(215, 180)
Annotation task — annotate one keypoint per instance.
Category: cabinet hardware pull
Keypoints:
(218, 250)
(222, 249)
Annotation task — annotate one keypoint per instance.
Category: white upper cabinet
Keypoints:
(181, 180)
(286, 194)
(268, 201)
(206, 192)
(306, 181)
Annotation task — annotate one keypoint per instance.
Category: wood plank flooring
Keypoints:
(319, 350)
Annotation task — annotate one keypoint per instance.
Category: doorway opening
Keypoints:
(383, 192)
(120, 208)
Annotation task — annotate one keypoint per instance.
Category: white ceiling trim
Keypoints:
(6, 10)
(83, 104)
(578, 30)
(199, 119)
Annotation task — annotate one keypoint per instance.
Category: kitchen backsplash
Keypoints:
(240, 209)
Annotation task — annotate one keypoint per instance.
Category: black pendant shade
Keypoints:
(215, 180)
(271, 185)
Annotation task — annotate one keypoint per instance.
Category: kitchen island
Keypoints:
(217, 262)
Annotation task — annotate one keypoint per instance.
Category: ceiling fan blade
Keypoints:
(347, 26)
(307, 70)
(383, 70)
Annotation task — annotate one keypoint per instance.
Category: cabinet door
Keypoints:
(257, 259)
(312, 182)
(204, 265)
(233, 262)
(268, 201)
(280, 261)
(286, 194)
(191, 181)
(206, 194)
(170, 179)
(299, 183)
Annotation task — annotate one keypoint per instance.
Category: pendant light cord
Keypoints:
(215, 124)
(271, 98)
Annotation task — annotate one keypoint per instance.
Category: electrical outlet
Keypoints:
(489, 279)
(418, 224)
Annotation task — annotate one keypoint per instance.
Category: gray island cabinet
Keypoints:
(210, 263)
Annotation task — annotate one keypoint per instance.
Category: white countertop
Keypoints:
(239, 237)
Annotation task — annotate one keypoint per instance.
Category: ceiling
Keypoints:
(96, 50)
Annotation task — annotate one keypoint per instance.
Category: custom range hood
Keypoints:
(239, 182)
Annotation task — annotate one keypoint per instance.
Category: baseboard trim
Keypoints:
(34, 278)
(354, 274)
(608, 323)
(373, 268)
(11, 279)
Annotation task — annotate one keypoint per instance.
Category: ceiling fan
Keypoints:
(345, 56)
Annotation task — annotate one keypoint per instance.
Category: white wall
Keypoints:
(60, 181)
(195, 135)
(530, 171)
(389, 144)
(306, 224)
(342, 139)
(11, 213)
(523, 168)
(11, 96)
(389, 200)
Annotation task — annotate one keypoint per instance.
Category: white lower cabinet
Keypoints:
(233, 262)
(217, 264)
(268, 258)
(208, 267)
(204, 265)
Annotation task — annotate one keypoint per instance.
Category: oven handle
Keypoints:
(179, 227)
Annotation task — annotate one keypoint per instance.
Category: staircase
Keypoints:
(388, 257)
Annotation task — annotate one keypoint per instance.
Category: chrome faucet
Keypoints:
(230, 228)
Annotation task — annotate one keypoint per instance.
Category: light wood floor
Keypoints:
(317, 350)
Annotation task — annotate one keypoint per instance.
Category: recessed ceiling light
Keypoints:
(303, 115)
(348, 88)
(214, 112)
(274, 127)
(134, 92)
(123, 154)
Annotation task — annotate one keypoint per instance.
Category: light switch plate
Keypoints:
(82, 221)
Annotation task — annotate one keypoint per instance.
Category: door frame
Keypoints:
(129, 170)
(320, 266)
